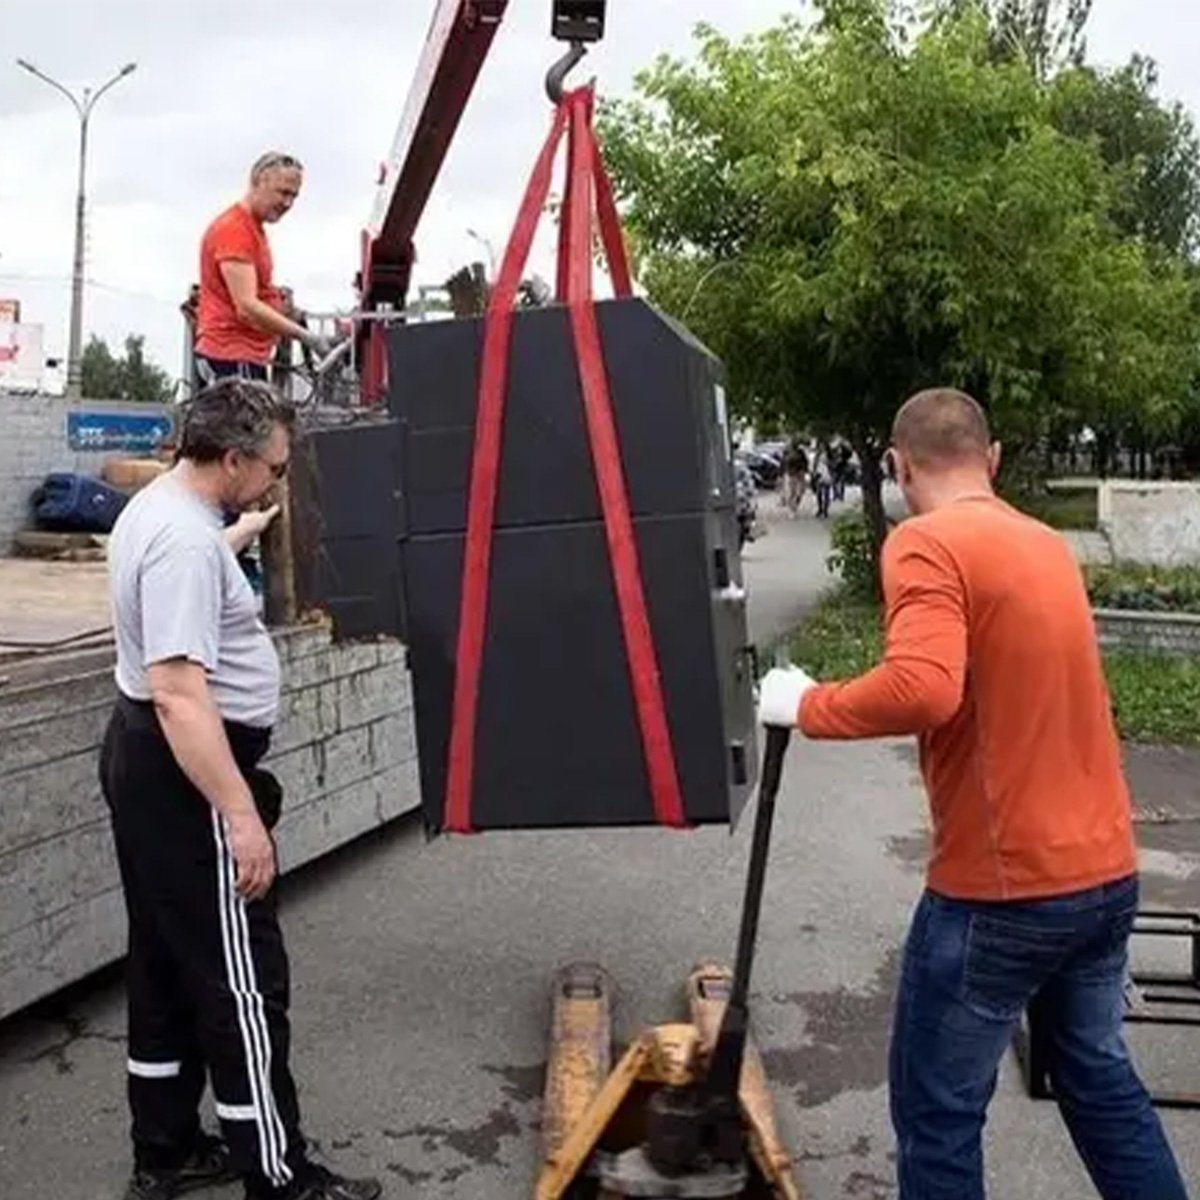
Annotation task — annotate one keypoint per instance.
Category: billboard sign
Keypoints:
(118, 431)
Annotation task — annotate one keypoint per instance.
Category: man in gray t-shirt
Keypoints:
(198, 682)
(179, 593)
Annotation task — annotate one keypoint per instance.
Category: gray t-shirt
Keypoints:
(177, 591)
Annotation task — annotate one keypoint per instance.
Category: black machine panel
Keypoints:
(667, 402)
(346, 496)
(558, 743)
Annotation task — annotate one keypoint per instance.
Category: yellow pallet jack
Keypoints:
(686, 1113)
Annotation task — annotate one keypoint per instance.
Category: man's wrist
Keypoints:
(242, 809)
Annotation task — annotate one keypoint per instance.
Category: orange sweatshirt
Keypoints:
(992, 661)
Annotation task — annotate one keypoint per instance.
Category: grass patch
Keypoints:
(1074, 508)
(1156, 697)
(842, 637)
(1145, 589)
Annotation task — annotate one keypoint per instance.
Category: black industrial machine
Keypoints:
(558, 741)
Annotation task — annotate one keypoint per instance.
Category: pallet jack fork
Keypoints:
(686, 1112)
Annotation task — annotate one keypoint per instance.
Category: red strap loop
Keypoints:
(588, 192)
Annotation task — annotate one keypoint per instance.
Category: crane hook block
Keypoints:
(578, 20)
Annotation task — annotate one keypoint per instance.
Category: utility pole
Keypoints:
(487, 245)
(83, 108)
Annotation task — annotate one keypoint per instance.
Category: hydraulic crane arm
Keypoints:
(459, 38)
(458, 42)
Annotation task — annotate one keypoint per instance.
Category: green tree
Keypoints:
(130, 377)
(1151, 145)
(1045, 34)
(850, 210)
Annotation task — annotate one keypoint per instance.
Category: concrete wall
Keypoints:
(344, 750)
(1156, 523)
(33, 442)
(1161, 633)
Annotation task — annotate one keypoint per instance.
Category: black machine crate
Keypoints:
(557, 740)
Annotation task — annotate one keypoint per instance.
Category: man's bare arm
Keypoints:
(242, 281)
(194, 731)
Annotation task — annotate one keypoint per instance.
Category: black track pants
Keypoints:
(207, 972)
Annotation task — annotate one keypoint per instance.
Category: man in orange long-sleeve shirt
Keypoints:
(992, 662)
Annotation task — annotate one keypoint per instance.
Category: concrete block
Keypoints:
(306, 833)
(391, 651)
(347, 758)
(1151, 522)
(47, 739)
(49, 800)
(41, 702)
(40, 880)
(305, 716)
(298, 770)
(353, 657)
(60, 948)
(364, 698)
(393, 739)
(302, 641)
(400, 790)
(309, 671)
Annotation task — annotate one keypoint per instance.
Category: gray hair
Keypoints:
(232, 414)
(272, 159)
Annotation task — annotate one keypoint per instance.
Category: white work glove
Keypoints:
(779, 696)
(320, 345)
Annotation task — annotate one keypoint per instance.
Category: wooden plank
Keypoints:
(279, 563)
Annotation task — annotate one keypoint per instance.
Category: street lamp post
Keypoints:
(83, 107)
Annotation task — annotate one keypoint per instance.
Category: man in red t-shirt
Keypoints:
(240, 316)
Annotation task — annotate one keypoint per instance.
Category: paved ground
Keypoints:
(421, 971)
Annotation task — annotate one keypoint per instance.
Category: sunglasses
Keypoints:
(278, 469)
(268, 161)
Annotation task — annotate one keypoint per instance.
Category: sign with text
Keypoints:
(118, 431)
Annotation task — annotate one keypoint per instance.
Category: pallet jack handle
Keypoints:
(725, 1067)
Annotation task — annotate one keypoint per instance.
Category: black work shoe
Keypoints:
(207, 1166)
(323, 1184)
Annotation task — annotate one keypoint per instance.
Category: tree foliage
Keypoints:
(1152, 148)
(852, 209)
(1046, 34)
(131, 376)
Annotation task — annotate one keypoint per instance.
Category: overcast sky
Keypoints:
(220, 80)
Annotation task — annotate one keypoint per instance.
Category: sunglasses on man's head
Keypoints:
(269, 161)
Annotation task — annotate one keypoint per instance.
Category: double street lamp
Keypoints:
(83, 107)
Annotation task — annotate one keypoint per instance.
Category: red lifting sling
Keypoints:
(582, 205)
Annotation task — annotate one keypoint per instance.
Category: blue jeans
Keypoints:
(970, 971)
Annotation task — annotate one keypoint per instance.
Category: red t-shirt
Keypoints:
(235, 236)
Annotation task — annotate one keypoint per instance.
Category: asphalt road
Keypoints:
(421, 976)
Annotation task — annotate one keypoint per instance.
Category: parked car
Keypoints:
(747, 501)
(765, 469)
